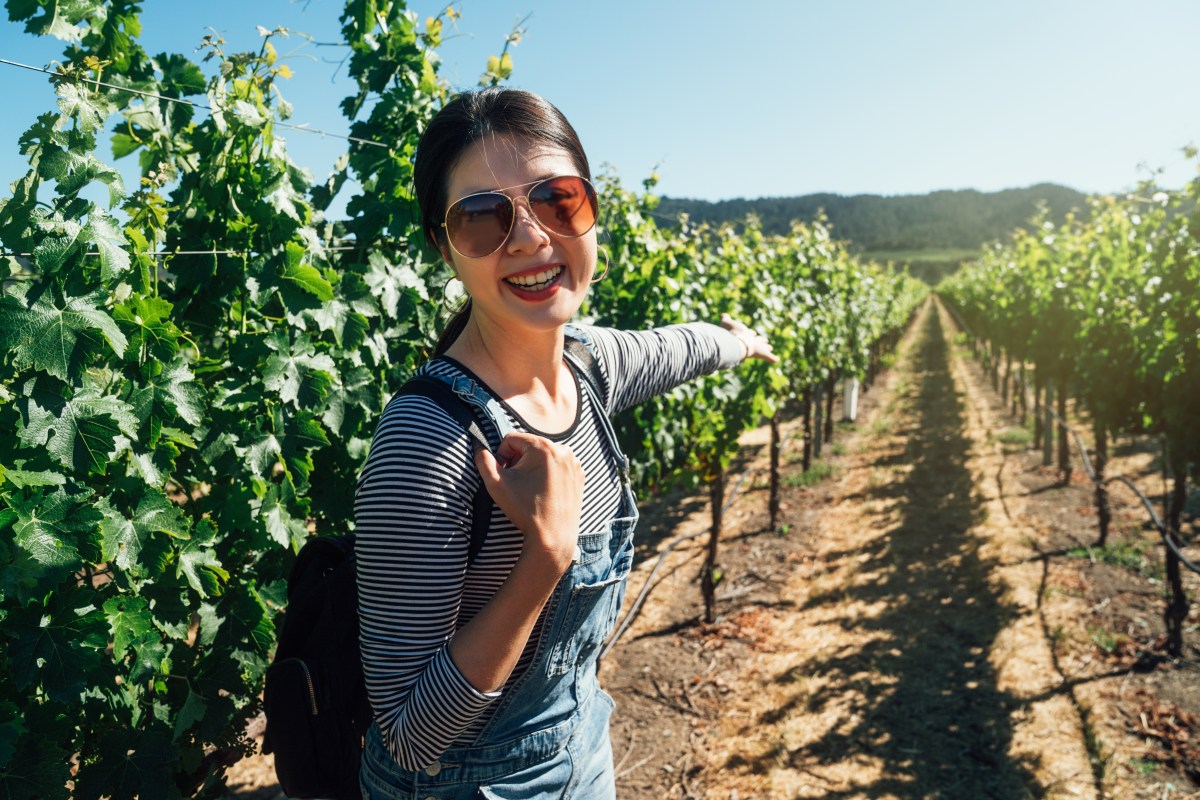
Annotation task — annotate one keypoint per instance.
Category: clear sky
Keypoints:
(771, 98)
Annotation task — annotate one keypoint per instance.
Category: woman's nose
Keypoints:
(527, 234)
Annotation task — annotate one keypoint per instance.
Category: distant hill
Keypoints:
(932, 232)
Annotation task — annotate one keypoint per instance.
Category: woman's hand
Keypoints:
(756, 344)
(539, 485)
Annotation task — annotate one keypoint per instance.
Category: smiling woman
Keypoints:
(481, 668)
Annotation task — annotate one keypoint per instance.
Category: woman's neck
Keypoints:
(514, 364)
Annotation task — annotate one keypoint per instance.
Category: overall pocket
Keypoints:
(593, 602)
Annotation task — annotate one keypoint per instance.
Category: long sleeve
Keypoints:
(412, 512)
(641, 364)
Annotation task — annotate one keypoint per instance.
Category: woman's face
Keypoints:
(497, 163)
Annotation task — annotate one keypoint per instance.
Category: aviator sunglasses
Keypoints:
(479, 224)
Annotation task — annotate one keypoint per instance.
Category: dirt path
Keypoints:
(915, 663)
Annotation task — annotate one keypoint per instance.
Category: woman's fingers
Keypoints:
(757, 345)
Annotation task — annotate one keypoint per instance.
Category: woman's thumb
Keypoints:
(485, 462)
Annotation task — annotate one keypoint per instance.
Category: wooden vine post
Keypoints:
(1176, 611)
(773, 504)
(1103, 510)
(712, 573)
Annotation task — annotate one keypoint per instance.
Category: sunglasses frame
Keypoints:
(513, 201)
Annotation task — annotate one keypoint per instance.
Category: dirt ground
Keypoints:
(924, 622)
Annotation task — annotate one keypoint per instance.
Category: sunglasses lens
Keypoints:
(566, 206)
(479, 224)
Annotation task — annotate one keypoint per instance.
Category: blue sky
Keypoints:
(772, 98)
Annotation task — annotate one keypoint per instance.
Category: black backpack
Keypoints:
(315, 698)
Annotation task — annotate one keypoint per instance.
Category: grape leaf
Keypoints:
(129, 619)
(82, 435)
(148, 320)
(122, 538)
(170, 393)
(198, 562)
(55, 339)
(300, 283)
(57, 646)
(89, 110)
(299, 374)
(52, 528)
(192, 712)
(130, 763)
(109, 242)
(38, 769)
(11, 728)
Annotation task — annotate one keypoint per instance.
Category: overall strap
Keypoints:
(440, 391)
(579, 346)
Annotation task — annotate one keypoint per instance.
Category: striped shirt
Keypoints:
(412, 514)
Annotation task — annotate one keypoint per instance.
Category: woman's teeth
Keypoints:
(537, 281)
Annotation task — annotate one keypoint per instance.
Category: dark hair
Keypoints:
(461, 123)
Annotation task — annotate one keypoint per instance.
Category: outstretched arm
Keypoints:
(641, 364)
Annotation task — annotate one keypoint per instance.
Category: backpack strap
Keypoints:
(580, 347)
(452, 402)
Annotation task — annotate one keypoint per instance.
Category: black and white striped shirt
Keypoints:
(413, 518)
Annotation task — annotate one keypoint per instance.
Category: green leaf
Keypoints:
(53, 528)
(11, 729)
(73, 170)
(57, 340)
(210, 623)
(130, 764)
(282, 527)
(52, 22)
(122, 539)
(148, 320)
(248, 114)
(22, 478)
(302, 433)
(247, 622)
(171, 393)
(60, 244)
(38, 769)
(109, 242)
(198, 562)
(353, 400)
(129, 618)
(301, 282)
(57, 646)
(261, 454)
(389, 281)
(191, 713)
(300, 376)
(82, 434)
(88, 109)
(123, 144)
(180, 77)
(349, 327)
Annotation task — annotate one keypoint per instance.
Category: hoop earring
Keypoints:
(446, 298)
(607, 264)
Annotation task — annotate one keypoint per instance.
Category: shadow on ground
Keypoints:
(920, 698)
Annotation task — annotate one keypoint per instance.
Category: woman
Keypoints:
(482, 673)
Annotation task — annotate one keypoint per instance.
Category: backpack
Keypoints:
(315, 698)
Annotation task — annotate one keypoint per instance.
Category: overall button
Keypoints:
(433, 769)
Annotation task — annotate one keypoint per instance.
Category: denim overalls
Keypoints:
(548, 736)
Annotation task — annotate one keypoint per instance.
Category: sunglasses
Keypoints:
(479, 224)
